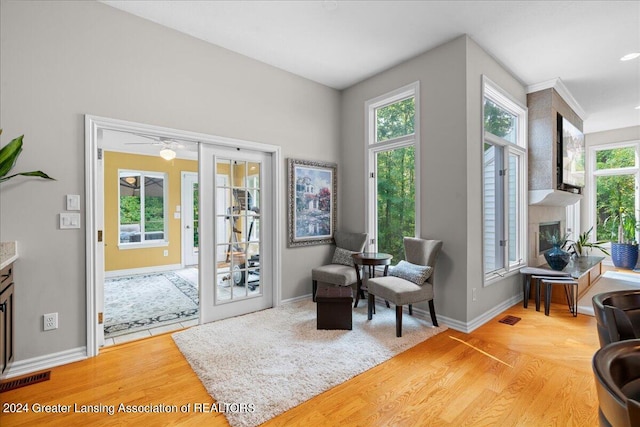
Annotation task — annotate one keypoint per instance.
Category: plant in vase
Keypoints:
(582, 245)
(557, 257)
(624, 252)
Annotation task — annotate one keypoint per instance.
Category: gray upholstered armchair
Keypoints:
(341, 271)
(410, 281)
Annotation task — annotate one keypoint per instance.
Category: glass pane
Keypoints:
(499, 121)
(615, 194)
(130, 208)
(492, 213)
(616, 158)
(254, 175)
(223, 288)
(396, 200)
(395, 120)
(196, 218)
(513, 174)
(153, 208)
(239, 173)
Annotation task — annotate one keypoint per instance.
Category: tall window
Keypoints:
(143, 207)
(392, 174)
(504, 183)
(615, 177)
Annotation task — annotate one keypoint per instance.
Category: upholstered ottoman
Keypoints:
(334, 307)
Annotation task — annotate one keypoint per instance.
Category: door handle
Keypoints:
(187, 227)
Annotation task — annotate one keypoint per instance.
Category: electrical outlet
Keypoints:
(50, 321)
(473, 294)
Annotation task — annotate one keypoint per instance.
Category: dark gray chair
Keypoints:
(341, 271)
(618, 315)
(400, 288)
(616, 368)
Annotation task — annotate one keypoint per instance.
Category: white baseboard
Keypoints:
(143, 270)
(27, 366)
(474, 324)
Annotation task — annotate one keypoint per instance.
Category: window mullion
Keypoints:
(143, 182)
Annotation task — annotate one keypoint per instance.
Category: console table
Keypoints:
(586, 270)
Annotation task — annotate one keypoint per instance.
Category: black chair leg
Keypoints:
(370, 306)
(410, 309)
(315, 289)
(432, 311)
(398, 320)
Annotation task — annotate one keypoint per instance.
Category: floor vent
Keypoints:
(13, 384)
(509, 320)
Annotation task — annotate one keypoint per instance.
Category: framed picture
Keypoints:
(312, 202)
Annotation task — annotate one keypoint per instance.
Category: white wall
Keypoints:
(61, 60)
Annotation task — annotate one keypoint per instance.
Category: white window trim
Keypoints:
(592, 173)
(372, 147)
(165, 195)
(505, 101)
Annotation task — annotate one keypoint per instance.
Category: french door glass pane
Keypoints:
(195, 225)
(396, 200)
(238, 239)
(612, 194)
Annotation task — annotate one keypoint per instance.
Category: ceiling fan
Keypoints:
(168, 145)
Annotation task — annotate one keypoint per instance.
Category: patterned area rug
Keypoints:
(259, 365)
(147, 301)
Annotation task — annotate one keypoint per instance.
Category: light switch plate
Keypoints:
(73, 202)
(69, 220)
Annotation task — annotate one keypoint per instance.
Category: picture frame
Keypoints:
(312, 200)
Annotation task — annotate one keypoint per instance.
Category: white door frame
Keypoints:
(94, 125)
(186, 213)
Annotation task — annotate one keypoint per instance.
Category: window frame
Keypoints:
(372, 148)
(503, 100)
(592, 173)
(165, 203)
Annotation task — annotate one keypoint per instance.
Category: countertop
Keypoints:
(8, 253)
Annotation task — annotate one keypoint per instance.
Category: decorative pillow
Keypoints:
(342, 256)
(411, 272)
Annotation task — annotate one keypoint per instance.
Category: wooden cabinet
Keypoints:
(6, 317)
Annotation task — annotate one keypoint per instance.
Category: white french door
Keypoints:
(236, 232)
(190, 218)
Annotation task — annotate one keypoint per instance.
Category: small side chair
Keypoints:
(410, 281)
(341, 271)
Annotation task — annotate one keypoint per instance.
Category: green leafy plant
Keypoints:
(580, 245)
(9, 155)
(622, 222)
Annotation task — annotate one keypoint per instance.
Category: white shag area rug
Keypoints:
(260, 365)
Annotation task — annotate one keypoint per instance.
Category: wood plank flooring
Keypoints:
(542, 377)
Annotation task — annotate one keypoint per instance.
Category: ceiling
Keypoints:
(339, 43)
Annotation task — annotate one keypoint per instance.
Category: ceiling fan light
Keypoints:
(630, 56)
(167, 154)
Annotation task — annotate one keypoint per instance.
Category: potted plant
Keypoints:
(624, 251)
(583, 245)
(9, 155)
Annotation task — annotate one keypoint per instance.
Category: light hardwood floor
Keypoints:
(542, 377)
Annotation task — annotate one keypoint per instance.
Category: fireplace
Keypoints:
(547, 229)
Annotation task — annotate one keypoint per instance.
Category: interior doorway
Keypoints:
(160, 240)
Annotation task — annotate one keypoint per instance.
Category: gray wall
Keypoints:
(61, 60)
(451, 159)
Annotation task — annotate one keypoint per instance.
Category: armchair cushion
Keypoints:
(399, 291)
(417, 274)
(343, 256)
(335, 274)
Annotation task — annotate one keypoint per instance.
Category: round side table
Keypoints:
(370, 260)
